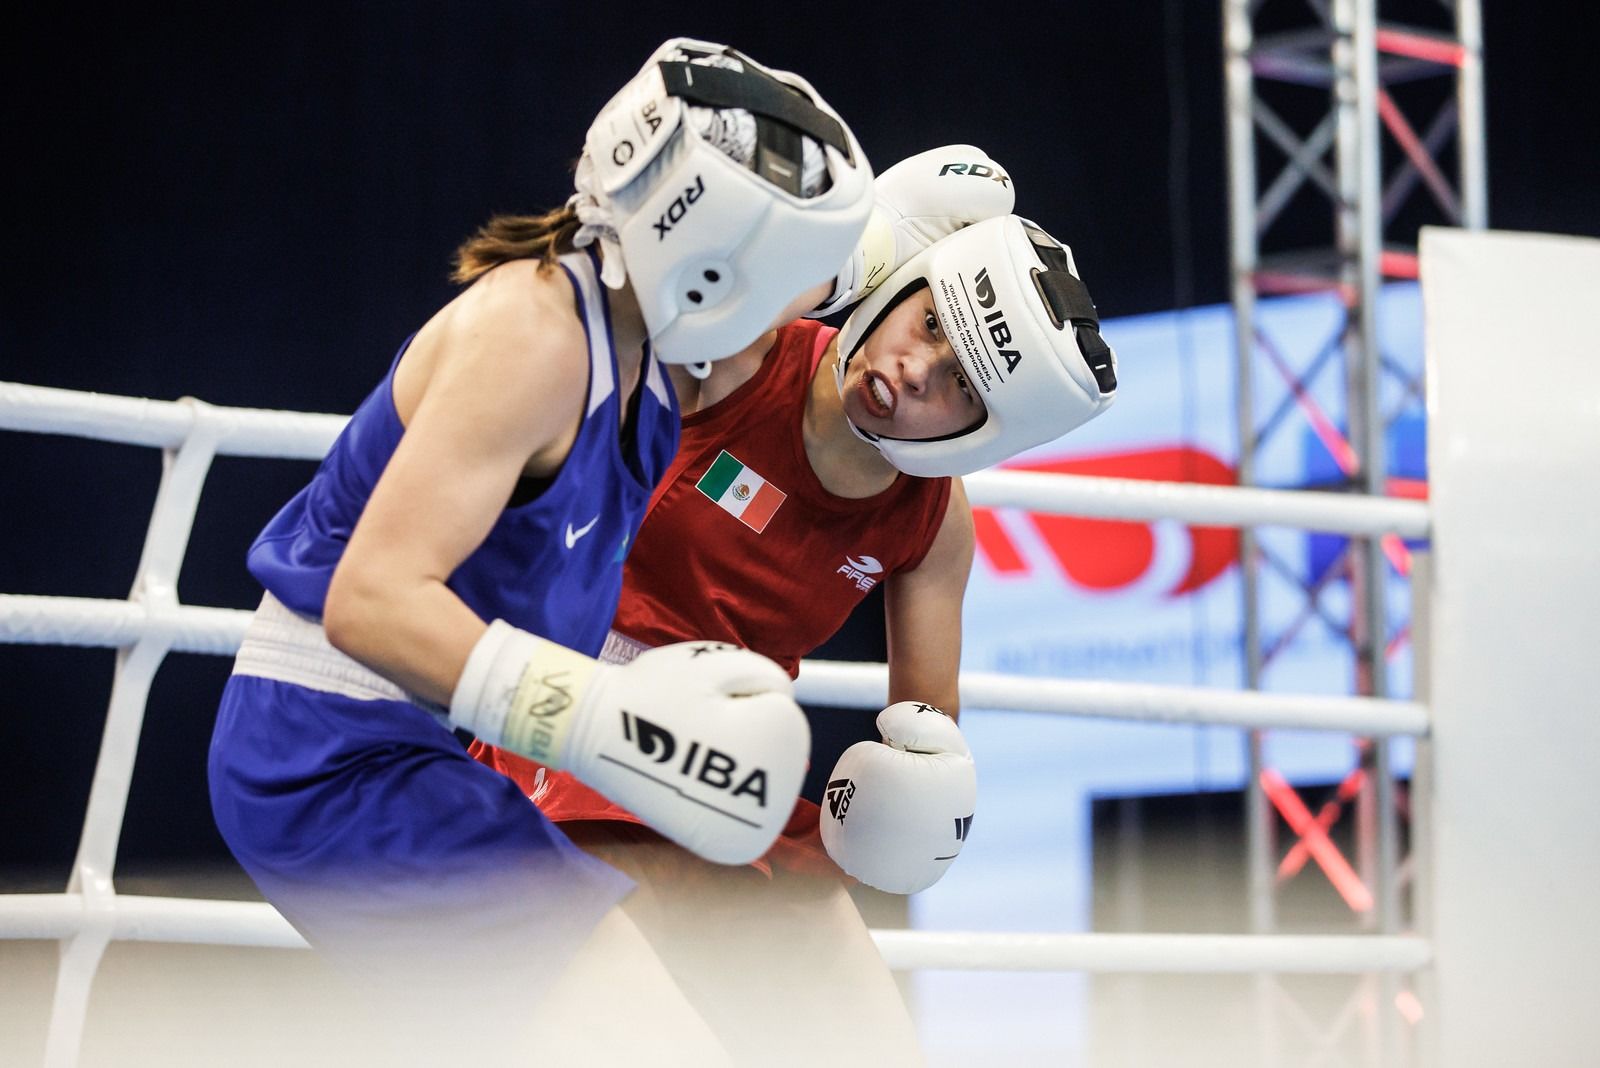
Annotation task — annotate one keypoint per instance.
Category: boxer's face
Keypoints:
(906, 382)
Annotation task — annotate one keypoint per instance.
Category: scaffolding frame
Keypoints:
(1345, 48)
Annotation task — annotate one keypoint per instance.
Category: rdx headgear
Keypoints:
(721, 190)
(1013, 308)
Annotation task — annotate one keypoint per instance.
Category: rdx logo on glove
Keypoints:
(704, 764)
(977, 170)
(838, 794)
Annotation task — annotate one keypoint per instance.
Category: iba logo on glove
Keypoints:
(701, 763)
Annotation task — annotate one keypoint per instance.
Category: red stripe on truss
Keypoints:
(1399, 556)
(1276, 282)
(1338, 446)
(1327, 816)
(1412, 489)
(1418, 46)
(1323, 851)
(1397, 643)
(1394, 264)
(1395, 121)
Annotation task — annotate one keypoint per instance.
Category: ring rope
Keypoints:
(81, 621)
(1096, 497)
(147, 621)
(257, 432)
(306, 436)
(258, 925)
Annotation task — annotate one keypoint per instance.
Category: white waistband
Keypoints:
(279, 644)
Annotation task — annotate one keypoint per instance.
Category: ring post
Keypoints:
(155, 588)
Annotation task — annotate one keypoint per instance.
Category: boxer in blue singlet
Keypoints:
(455, 562)
(463, 833)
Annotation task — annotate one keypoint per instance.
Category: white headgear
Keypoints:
(1020, 321)
(720, 218)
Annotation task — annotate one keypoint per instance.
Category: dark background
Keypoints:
(254, 204)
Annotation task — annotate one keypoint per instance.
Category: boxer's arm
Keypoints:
(896, 813)
(506, 375)
(922, 613)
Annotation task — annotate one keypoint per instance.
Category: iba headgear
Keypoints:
(721, 190)
(1020, 321)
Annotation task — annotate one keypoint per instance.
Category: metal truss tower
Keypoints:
(1329, 181)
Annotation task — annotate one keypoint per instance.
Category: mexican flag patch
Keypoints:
(741, 492)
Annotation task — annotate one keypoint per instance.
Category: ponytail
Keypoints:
(516, 237)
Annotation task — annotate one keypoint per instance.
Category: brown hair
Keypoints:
(516, 237)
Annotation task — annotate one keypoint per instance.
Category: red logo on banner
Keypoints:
(1108, 554)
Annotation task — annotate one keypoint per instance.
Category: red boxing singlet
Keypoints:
(741, 543)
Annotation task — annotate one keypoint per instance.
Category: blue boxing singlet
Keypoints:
(552, 566)
(357, 812)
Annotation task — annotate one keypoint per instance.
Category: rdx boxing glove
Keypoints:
(896, 813)
(918, 201)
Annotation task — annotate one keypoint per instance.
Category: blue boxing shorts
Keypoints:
(370, 828)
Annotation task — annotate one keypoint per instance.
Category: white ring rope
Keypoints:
(299, 435)
(857, 685)
(1189, 953)
(166, 424)
(244, 923)
(155, 622)
(137, 918)
(1214, 506)
(85, 621)
(88, 621)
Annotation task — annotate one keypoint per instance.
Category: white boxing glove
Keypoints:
(701, 740)
(895, 813)
(918, 201)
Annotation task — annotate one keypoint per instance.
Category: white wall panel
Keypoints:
(1513, 366)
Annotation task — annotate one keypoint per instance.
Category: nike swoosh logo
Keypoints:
(574, 535)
